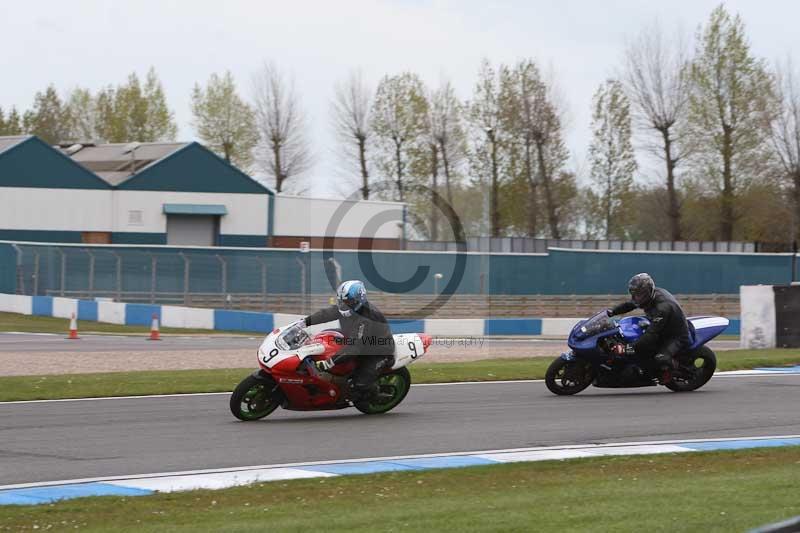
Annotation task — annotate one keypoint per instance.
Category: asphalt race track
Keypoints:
(43, 441)
(31, 342)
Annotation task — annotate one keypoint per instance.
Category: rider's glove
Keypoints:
(623, 350)
(324, 365)
(630, 350)
(610, 312)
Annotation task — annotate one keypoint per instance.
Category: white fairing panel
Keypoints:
(408, 348)
(709, 322)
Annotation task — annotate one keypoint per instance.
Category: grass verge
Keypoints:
(46, 387)
(711, 491)
(48, 324)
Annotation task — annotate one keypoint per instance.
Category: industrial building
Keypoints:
(168, 194)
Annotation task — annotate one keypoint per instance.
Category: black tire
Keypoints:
(399, 381)
(701, 373)
(254, 398)
(565, 378)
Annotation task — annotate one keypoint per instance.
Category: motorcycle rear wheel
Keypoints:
(252, 398)
(565, 378)
(398, 382)
(701, 373)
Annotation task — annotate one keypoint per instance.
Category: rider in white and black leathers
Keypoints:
(668, 333)
(368, 337)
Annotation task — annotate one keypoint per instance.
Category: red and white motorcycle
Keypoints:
(287, 376)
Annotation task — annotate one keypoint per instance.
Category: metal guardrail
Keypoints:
(531, 245)
(409, 305)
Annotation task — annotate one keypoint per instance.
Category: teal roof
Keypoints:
(193, 168)
(30, 162)
(195, 209)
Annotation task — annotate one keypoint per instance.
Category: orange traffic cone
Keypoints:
(73, 328)
(154, 334)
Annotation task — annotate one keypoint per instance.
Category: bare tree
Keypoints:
(283, 149)
(785, 133)
(657, 82)
(446, 145)
(611, 155)
(486, 119)
(351, 116)
(398, 122)
(730, 101)
(534, 117)
(447, 130)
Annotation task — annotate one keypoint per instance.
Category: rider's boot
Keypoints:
(665, 364)
(366, 391)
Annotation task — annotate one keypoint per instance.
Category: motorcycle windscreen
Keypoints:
(292, 338)
(597, 324)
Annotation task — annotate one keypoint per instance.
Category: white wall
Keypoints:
(16, 303)
(187, 317)
(247, 213)
(55, 209)
(299, 217)
(757, 304)
(454, 326)
(107, 210)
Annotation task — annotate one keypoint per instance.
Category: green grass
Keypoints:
(48, 324)
(43, 387)
(709, 492)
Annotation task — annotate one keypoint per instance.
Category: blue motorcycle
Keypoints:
(600, 355)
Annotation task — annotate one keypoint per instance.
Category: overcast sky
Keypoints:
(94, 43)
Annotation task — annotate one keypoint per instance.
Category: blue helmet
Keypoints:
(351, 296)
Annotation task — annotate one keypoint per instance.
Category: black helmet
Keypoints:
(641, 286)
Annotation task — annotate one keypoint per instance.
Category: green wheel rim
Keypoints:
(398, 383)
(255, 403)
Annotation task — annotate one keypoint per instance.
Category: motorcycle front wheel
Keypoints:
(565, 378)
(392, 389)
(253, 398)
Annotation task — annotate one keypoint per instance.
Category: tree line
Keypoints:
(722, 125)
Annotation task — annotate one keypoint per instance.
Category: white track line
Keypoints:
(732, 374)
(388, 458)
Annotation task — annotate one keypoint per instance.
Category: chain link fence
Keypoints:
(293, 282)
(201, 277)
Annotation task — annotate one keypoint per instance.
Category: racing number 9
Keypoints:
(413, 347)
(272, 353)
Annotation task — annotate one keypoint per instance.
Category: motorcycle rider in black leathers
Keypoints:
(367, 336)
(668, 333)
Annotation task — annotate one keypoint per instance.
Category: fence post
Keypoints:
(186, 271)
(35, 273)
(223, 278)
(119, 275)
(337, 270)
(263, 280)
(91, 272)
(63, 280)
(20, 272)
(302, 281)
(153, 269)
